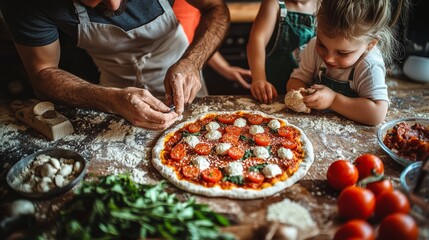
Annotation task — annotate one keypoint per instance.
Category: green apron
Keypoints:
(293, 32)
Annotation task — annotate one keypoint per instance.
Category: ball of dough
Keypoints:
(294, 101)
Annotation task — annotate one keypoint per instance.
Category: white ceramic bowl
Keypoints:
(417, 68)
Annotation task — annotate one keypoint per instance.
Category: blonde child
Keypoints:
(344, 63)
(279, 31)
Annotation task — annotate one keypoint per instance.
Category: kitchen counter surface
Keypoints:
(112, 145)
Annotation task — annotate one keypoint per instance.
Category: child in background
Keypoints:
(189, 18)
(344, 63)
(280, 30)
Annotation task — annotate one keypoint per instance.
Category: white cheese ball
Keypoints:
(213, 135)
(285, 153)
(274, 124)
(222, 148)
(212, 126)
(201, 162)
(255, 129)
(192, 140)
(240, 122)
(234, 169)
(271, 170)
(261, 152)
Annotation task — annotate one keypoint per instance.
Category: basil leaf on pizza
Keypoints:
(240, 154)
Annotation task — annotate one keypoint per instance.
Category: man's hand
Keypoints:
(182, 84)
(142, 109)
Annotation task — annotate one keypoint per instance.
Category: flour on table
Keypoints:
(335, 125)
(273, 107)
(116, 132)
(291, 213)
(8, 135)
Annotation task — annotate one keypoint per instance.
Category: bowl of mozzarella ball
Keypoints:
(46, 174)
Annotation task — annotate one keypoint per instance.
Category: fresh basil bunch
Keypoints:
(116, 207)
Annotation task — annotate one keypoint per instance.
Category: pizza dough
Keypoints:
(164, 161)
(294, 101)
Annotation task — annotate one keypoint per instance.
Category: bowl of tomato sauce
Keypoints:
(405, 140)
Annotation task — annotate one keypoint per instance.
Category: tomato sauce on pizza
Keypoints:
(232, 150)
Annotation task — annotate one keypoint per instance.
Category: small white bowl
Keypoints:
(417, 68)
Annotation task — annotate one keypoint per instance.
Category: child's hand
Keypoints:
(321, 99)
(263, 91)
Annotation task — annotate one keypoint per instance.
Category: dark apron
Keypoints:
(293, 32)
(336, 85)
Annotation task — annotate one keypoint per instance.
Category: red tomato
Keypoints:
(255, 177)
(391, 202)
(342, 174)
(230, 138)
(178, 152)
(356, 203)
(255, 119)
(286, 131)
(226, 118)
(289, 144)
(202, 148)
(233, 129)
(356, 228)
(398, 226)
(367, 164)
(211, 175)
(190, 171)
(380, 186)
(262, 139)
(235, 153)
(193, 128)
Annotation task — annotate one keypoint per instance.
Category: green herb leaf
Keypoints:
(257, 167)
(116, 207)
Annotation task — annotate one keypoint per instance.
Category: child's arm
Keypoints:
(295, 84)
(261, 32)
(361, 110)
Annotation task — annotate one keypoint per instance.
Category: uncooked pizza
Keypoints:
(242, 154)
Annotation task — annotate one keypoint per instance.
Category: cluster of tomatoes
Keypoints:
(367, 195)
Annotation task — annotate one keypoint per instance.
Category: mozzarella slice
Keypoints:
(271, 170)
(212, 126)
(285, 153)
(222, 148)
(274, 124)
(234, 169)
(261, 152)
(201, 162)
(240, 122)
(255, 129)
(192, 140)
(213, 135)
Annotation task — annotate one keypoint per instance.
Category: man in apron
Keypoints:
(138, 46)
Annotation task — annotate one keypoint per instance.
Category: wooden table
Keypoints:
(112, 145)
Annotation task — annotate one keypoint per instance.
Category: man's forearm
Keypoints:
(59, 86)
(209, 34)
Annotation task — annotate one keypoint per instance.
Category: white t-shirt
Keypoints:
(368, 78)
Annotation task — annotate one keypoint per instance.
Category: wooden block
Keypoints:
(51, 124)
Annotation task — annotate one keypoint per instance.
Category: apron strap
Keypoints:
(81, 12)
(352, 73)
(283, 10)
